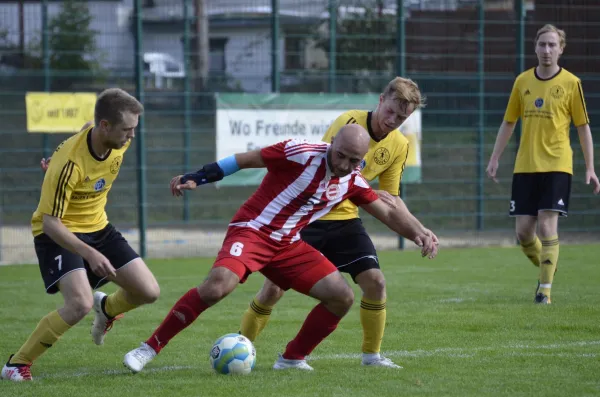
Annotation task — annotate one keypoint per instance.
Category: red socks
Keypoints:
(317, 326)
(185, 311)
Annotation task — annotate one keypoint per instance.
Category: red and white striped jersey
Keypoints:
(298, 189)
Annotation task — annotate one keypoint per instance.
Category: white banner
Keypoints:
(242, 130)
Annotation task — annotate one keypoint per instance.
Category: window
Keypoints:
(217, 55)
(294, 52)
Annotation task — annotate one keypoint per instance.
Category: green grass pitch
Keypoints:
(463, 324)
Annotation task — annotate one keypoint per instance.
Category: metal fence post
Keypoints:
(401, 71)
(187, 122)
(481, 123)
(332, 44)
(46, 63)
(141, 146)
(520, 65)
(275, 45)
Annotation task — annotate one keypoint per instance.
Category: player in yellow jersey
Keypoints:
(77, 248)
(340, 235)
(546, 98)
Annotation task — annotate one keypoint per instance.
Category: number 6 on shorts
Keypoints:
(236, 249)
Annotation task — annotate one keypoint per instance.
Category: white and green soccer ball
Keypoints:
(233, 354)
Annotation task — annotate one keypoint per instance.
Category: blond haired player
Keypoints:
(77, 248)
(340, 235)
(547, 98)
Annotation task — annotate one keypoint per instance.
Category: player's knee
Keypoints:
(525, 235)
(220, 282)
(151, 293)
(270, 294)
(79, 307)
(343, 299)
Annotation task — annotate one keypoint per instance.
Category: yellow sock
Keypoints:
(548, 262)
(532, 249)
(116, 304)
(255, 319)
(47, 332)
(372, 318)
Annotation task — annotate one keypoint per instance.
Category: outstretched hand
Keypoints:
(177, 187)
(45, 163)
(428, 247)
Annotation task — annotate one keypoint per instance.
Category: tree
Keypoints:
(72, 42)
(365, 45)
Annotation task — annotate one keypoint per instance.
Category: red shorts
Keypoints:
(298, 265)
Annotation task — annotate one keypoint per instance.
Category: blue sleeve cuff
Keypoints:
(229, 165)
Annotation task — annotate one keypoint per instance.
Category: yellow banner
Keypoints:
(63, 112)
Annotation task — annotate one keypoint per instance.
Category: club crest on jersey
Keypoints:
(539, 102)
(381, 156)
(332, 192)
(363, 164)
(116, 164)
(99, 184)
(557, 92)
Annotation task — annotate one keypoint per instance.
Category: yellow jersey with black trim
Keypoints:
(76, 185)
(385, 160)
(546, 108)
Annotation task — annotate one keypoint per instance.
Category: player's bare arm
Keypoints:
(403, 211)
(387, 198)
(58, 232)
(504, 134)
(405, 228)
(587, 146)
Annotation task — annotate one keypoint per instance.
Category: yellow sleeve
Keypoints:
(513, 109)
(333, 129)
(578, 110)
(389, 180)
(59, 182)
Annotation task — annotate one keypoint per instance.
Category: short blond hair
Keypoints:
(548, 28)
(112, 102)
(404, 91)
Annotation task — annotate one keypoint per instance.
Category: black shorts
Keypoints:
(540, 191)
(345, 243)
(56, 262)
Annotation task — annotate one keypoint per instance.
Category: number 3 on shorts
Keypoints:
(512, 205)
(236, 249)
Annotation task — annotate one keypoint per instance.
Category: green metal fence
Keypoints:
(464, 55)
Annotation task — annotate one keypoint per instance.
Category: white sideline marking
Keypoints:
(459, 352)
(456, 352)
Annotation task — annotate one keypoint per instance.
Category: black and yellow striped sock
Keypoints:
(47, 332)
(532, 249)
(372, 318)
(548, 262)
(255, 319)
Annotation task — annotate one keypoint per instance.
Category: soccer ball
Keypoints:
(233, 354)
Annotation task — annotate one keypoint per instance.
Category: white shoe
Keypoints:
(284, 363)
(380, 362)
(16, 372)
(137, 359)
(102, 323)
